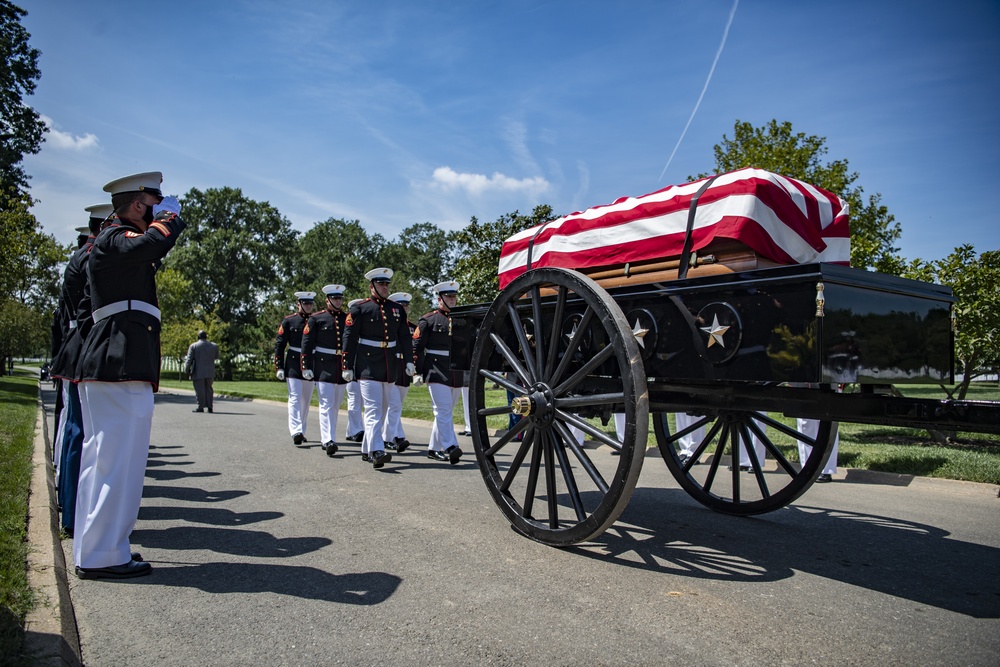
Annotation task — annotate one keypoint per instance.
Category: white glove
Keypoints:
(410, 370)
(307, 374)
(169, 204)
(348, 376)
(281, 375)
(417, 379)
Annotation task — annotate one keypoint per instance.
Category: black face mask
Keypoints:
(147, 217)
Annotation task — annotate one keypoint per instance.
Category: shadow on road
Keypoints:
(228, 541)
(664, 530)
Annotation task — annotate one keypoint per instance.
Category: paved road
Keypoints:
(267, 554)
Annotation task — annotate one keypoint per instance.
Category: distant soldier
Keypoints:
(355, 431)
(432, 346)
(323, 361)
(376, 343)
(288, 366)
(392, 431)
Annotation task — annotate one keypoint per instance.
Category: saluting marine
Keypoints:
(432, 347)
(376, 344)
(119, 369)
(322, 361)
(72, 297)
(288, 366)
(392, 430)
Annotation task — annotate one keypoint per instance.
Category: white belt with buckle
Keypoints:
(122, 306)
(440, 353)
(376, 343)
(72, 324)
(327, 350)
(295, 349)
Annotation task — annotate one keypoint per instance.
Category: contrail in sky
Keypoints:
(697, 104)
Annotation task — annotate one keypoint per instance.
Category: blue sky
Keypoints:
(400, 112)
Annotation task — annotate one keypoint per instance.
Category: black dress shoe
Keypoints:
(401, 444)
(133, 568)
(366, 458)
(454, 454)
(136, 556)
(390, 445)
(683, 459)
(465, 432)
(436, 455)
(298, 439)
(824, 478)
(743, 468)
(210, 410)
(357, 437)
(380, 458)
(330, 448)
(198, 410)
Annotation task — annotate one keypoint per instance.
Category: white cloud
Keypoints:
(477, 184)
(64, 140)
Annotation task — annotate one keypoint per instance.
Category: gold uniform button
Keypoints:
(149, 328)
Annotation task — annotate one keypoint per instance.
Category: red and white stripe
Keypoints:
(781, 218)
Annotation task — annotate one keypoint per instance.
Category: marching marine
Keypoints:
(288, 366)
(432, 347)
(355, 431)
(323, 362)
(392, 431)
(376, 344)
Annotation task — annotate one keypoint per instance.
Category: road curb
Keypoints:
(51, 636)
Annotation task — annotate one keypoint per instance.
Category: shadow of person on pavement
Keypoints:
(228, 541)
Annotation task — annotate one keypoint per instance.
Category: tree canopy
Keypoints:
(21, 127)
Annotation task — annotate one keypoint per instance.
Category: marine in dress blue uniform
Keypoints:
(355, 431)
(392, 430)
(432, 349)
(323, 361)
(288, 365)
(376, 345)
(118, 371)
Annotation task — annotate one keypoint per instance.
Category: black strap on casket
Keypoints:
(531, 243)
(682, 270)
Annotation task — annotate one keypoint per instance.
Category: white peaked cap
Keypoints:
(401, 297)
(379, 273)
(445, 287)
(147, 181)
(101, 211)
(83, 230)
(354, 302)
(333, 290)
(305, 296)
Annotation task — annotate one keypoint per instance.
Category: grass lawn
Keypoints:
(971, 456)
(18, 407)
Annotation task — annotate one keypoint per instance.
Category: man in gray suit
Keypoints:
(200, 366)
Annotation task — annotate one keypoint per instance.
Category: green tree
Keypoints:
(236, 252)
(975, 281)
(477, 247)
(423, 252)
(23, 332)
(775, 147)
(334, 251)
(21, 128)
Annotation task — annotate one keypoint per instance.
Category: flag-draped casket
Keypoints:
(781, 220)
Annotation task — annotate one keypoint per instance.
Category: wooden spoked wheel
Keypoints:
(761, 477)
(562, 349)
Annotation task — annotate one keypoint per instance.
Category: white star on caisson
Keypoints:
(639, 333)
(715, 332)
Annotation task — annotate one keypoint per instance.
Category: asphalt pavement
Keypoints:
(269, 554)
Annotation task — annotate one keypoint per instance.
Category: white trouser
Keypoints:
(375, 395)
(465, 409)
(758, 446)
(810, 427)
(330, 397)
(300, 394)
(393, 424)
(355, 424)
(443, 400)
(57, 443)
(117, 419)
(689, 442)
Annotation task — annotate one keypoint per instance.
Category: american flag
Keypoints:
(783, 219)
